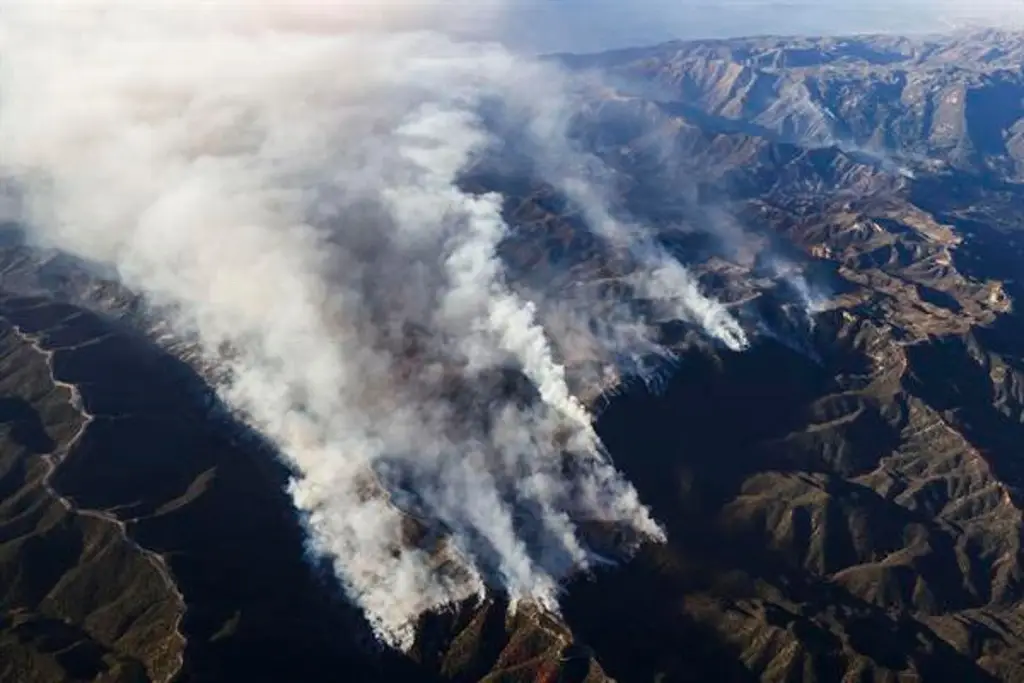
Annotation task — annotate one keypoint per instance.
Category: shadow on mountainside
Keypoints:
(25, 425)
(688, 451)
(207, 497)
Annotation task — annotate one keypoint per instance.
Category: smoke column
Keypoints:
(282, 181)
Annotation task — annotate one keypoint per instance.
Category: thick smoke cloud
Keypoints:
(282, 181)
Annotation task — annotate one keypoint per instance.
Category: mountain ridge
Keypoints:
(843, 500)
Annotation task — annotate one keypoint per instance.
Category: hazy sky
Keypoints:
(582, 25)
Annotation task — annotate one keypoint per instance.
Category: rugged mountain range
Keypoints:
(927, 102)
(843, 500)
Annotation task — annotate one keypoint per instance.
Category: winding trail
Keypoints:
(54, 459)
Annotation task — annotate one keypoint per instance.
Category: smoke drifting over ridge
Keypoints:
(282, 181)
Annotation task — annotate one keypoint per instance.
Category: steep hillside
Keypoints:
(923, 102)
(843, 501)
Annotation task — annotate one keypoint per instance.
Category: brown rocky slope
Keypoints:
(843, 500)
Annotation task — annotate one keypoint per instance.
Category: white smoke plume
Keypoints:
(283, 180)
(663, 279)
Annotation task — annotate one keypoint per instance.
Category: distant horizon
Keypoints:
(582, 26)
(784, 36)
